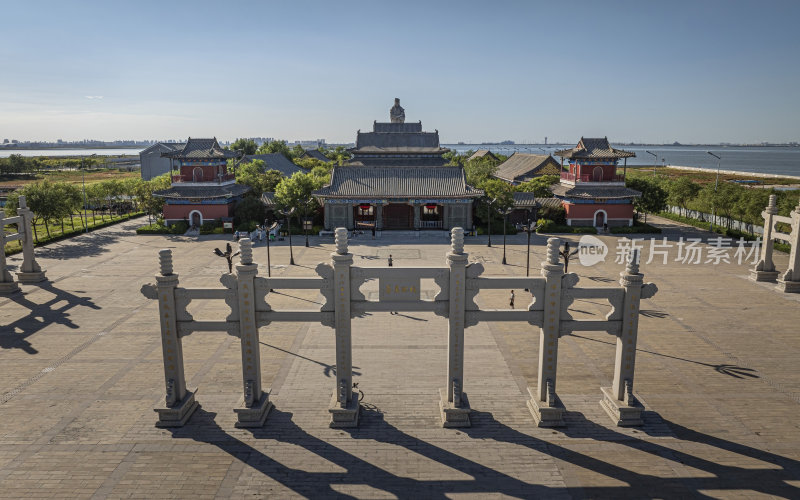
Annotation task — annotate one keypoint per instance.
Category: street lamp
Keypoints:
(505, 223)
(716, 184)
(489, 219)
(306, 220)
(655, 161)
(269, 232)
(288, 214)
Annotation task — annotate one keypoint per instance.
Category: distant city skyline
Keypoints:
(693, 72)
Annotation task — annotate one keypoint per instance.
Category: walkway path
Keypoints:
(80, 371)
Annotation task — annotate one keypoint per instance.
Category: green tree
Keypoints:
(479, 170)
(256, 175)
(295, 192)
(297, 151)
(250, 209)
(275, 147)
(153, 206)
(681, 192)
(539, 186)
(244, 146)
(502, 194)
(653, 198)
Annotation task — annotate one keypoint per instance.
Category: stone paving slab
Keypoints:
(80, 374)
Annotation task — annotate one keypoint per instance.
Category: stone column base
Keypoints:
(255, 416)
(8, 287)
(453, 416)
(622, 414)
(32, 277)
(176, 416)
(344, 417)
(788, 286)
(543, 415)
(770, 276)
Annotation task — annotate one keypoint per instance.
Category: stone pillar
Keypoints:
(256, 404)
(790, 280)
(180, 402)
(30, 272)
(468, 221)
(415, 207)
(7, 283)
(453, 401)
(327, 215)
(618, 400)
(344, 408)
(446, 217)
(379, 216)
(765, 269)
(544, 405)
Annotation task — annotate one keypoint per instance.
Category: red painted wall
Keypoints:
(172, 212)
(209, 172)
(587, 211)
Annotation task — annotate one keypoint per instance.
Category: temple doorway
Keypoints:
(196, 219)
(599, 218)
(398, 216)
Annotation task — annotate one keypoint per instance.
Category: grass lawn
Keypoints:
(71, 176)
(56, 232)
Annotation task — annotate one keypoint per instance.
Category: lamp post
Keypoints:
(306, 219)
(505, 223)
(288, 214)
(716, 184)
(655, 161)
(269, 231)
(489, 219)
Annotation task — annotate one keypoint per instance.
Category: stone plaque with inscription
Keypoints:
(400, 289)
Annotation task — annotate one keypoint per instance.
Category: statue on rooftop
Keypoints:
(397, 114)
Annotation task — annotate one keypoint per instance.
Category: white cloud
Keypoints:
(93, 97)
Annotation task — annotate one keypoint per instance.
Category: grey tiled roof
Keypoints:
(200, 192)
(396, 127)
(276, 161)
(201, 149)
(528, 200)
(521, 165)
(268, 198)
(316, 154)
(525, 200)
(594, 148)
(391, 140)
(481, 153)
(586, 191)
(398, 182)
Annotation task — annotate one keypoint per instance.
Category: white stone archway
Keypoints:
(601, 221)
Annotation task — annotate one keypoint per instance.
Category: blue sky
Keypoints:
(702, 71)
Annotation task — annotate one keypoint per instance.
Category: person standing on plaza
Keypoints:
(390, 260)
(511, 300)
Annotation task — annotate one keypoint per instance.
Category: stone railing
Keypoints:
(30, 271)
(459, 282)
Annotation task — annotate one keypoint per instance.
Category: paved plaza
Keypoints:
(81, 371)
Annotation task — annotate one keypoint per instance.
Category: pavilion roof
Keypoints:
(200, 149)
(586, 191)
(398, 182)
(202, 192)
(594, 148)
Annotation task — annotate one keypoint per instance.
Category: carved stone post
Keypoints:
(453, 402)
(180, 402)
(790, 281)
(30, 272)
(7, 283)
(344, 408)
(765, 269)
(544, 405)
(618, 400)
(415, 207)
(256, 404)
